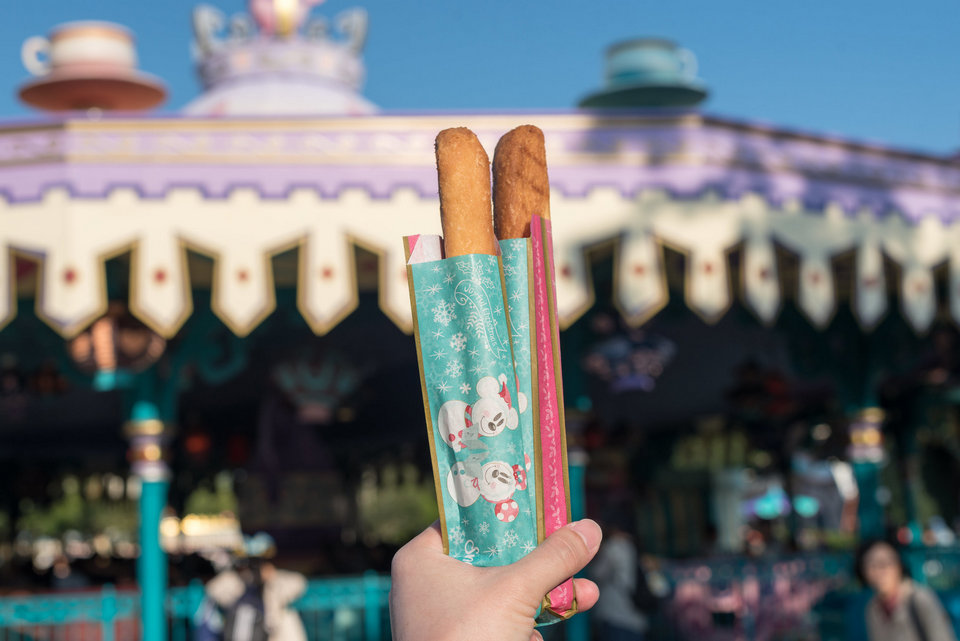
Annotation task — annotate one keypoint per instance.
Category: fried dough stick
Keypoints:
(463, 173)
(521, 188)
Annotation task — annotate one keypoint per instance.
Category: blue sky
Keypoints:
(884, 71)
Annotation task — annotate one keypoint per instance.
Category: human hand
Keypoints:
(438, 598)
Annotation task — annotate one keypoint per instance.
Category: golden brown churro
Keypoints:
(521, 188)
(463, 173)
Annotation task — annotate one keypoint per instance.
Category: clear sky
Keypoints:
(881, 70)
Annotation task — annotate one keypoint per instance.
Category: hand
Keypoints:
(438, 598)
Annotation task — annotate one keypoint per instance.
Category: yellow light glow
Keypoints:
(285, 11)
(170, 527)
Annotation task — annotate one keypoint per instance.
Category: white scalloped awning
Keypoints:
(74, 236)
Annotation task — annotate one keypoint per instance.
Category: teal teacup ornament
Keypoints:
(649, 72)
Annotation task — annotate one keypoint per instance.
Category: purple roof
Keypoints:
(683, 153)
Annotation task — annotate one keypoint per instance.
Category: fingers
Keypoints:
(587, 594)
(536, 636)
(429, 539)
(410, 555)
(560, 556)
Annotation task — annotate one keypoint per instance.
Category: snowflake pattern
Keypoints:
(465, 388)
(483, 528)
(437, 355)
(444, 312)
(477, 369)
(443, 387)
(511, 539)
(456, 534)
(474, 353)
(528, 547)
(454, 368)
(493, 551)
(433, 289)
(458, 342)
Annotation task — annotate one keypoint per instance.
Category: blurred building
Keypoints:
(760, 340)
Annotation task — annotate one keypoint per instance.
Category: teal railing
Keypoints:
(335, 609)
(355, 608)
(104, 615)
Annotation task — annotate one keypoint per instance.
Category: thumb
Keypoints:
(560, 556)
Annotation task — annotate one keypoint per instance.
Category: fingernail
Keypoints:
(589, 531)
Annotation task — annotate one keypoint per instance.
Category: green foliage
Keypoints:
(395, 504)
(221, 498)
(72, 511)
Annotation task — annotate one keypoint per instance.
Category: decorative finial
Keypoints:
(281, 17)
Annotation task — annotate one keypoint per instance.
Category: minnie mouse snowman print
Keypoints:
(462, 426)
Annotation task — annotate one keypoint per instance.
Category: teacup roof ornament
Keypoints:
(648, 72)
(87, 65)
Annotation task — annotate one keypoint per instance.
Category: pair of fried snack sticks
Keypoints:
(520, 188)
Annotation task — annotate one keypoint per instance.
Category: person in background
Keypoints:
(900, 610)
(616, 572)
(256, 597)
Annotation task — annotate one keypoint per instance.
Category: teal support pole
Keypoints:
(578, 627)
(869, 511)
(152, 565)
(146, 431)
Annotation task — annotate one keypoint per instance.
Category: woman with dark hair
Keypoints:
(901, 610)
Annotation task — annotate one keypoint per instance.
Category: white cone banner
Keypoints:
(578, 223)
(641, 282)
(7, 274)
(160, 285)
(870, 288)
(760, 281)
(918, 248)
(816, 237)
(705, 230)
(817, 289)
(954, 278)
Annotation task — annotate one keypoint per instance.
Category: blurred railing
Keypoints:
(102, 615)
(712, 599)
(336, 609)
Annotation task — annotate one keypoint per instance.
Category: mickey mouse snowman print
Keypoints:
(462, 426)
